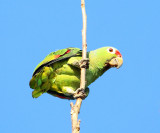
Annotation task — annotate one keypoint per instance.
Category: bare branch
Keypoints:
(74, 116)
(75, 109)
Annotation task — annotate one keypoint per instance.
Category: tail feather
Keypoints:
(40, 82)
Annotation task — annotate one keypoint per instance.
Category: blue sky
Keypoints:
(125, 100)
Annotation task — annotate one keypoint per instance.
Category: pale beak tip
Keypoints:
(120, 62)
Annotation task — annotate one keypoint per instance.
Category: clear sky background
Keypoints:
(125, 100)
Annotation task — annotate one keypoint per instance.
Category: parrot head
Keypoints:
(115, 59)
(109, 57)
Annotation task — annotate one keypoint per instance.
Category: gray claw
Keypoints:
(79, 93)
(84, 63)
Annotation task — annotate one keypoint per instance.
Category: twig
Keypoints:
(74, 115)
(75, 109)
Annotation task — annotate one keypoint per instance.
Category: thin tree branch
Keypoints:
(75, 109)
(74, 115)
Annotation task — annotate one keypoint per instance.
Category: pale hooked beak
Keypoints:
(116, 62)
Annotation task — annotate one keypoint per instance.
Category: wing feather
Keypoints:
(57, 56)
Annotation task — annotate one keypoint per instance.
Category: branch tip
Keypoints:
(71, 104)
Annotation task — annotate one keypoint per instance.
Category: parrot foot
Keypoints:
(80, 93)
(84, 63)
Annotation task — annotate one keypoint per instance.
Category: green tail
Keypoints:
(40, 82)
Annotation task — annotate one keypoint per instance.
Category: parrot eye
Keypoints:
(111, 50)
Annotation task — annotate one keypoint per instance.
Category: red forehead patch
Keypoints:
(118, 53)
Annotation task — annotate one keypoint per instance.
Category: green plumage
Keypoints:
(59, 73)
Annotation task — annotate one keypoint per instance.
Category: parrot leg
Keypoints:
(80, 93)
(84, 63)
(79, 63)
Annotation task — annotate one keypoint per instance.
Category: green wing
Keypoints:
(43, 72)
(57, 56)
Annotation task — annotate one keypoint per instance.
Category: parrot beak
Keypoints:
(116, 62)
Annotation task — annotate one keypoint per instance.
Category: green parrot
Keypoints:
(59, 73)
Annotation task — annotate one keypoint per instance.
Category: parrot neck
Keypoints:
(96, 66)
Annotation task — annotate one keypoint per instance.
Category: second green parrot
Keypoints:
(59, 73)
